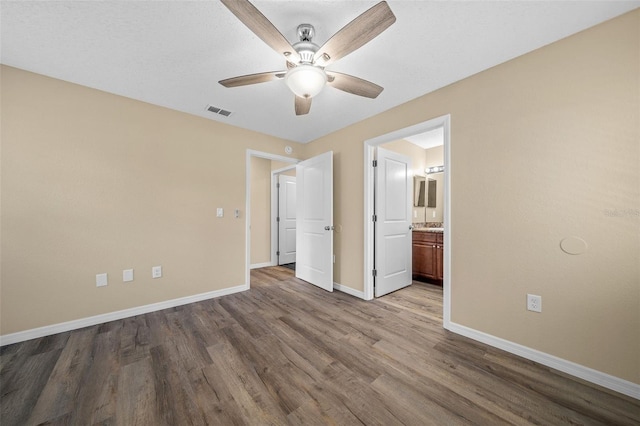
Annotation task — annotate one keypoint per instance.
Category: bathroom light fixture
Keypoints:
(434, 169)
(305, 81)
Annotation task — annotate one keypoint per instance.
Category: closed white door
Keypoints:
(314, 233)
(393, 190)
(286, 219)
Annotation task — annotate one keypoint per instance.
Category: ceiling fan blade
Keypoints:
(245, 80)
(356, 34)
(303, 105)
(249, 15)
(353, 85)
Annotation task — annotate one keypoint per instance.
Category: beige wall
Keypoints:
(435, 157)
(260, 210)
(93, 183)
(543, 147)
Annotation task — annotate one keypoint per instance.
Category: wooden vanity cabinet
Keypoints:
(427, 256)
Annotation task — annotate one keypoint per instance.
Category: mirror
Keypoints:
(431, 193)
(419, 191)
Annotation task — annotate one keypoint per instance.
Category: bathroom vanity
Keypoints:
(428, 248)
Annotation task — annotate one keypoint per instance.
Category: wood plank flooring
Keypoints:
(285, 353)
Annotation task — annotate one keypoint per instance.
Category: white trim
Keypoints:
(48, 330)
(369, 154)
(599, 378)
(273, 232)
(369, 146)
(283, 169)
(262, 265)
(448, 224)
(343, 288)
(247, 207)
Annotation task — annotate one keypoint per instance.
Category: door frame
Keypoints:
(274, 210)
(247, 204)
(369, 149)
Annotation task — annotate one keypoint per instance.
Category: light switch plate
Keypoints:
(127, 275)
(220, 212)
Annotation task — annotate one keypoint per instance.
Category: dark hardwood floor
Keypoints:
(288, 353)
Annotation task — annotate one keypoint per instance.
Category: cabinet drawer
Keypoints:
(427, 237)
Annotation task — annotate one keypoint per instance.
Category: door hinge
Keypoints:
(374, 218)
(374, 273)
(278, 185)
(277, 219)
(375, 163)
(277, 253)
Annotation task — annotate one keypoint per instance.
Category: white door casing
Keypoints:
(287, 219)
(393, 201)
(314, 230)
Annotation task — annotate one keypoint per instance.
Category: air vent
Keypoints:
(218, 111)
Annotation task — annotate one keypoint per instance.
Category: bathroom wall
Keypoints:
(435, 157)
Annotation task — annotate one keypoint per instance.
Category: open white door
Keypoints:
(393, 190)
(314, 233)
(286, 219)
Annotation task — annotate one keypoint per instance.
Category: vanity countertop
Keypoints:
(435, 230)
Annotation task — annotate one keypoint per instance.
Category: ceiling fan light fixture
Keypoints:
(305, 81)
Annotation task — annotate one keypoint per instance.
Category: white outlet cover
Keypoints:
(127, 275)
(219, 212)
(156, 272)
(534, 303)
(101, 280)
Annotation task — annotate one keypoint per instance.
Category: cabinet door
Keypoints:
(424, 257)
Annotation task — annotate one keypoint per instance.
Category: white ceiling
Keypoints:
(429, 139)
(172, 53)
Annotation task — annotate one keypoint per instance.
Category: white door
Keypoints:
(314, 233)
(286, 219)
(393, 201)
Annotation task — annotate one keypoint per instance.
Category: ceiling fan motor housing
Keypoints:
(305, 47)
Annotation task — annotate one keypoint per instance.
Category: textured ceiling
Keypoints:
(172, 53)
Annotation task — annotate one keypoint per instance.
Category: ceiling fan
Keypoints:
(306, 61)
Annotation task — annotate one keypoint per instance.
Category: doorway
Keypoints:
(369, 196)
(266, 233)
(314, 217)
(283, 217)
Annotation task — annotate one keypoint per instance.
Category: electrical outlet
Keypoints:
(534, 303)
(156, 272)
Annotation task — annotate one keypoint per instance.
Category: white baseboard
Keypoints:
(594, 376)
(48, 330)
(261, 265)
(357, 293)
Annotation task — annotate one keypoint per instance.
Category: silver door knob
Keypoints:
(411, 227)
(328, 228)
